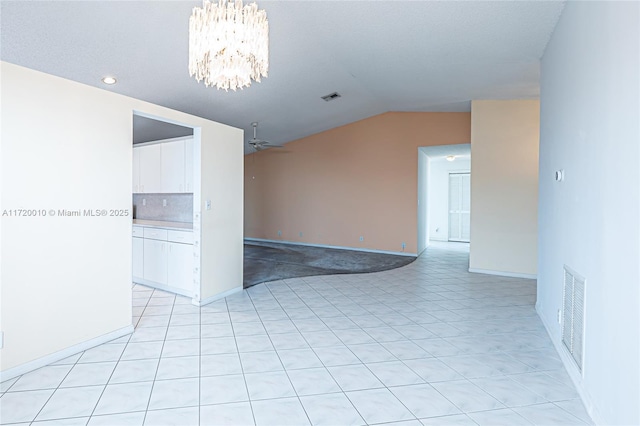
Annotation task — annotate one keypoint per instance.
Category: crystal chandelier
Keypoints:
(228, 44)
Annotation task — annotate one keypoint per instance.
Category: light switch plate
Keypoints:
(207, 204)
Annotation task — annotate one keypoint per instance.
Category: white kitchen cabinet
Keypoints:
(155, 261)
(173, 166)
(164, 258)
(150, 168)
(180, 266)
(165, 167)
(188, 165)
(136, 170)
(155, 233)
(138, 256)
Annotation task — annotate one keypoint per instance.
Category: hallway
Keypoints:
(428, 343)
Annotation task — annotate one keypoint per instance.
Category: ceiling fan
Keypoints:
(259, 144)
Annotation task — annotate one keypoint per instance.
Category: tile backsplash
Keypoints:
(179, 207)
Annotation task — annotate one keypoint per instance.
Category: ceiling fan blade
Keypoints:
(260, 144)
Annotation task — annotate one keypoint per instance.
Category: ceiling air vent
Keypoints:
(331, 96)
(573, 315)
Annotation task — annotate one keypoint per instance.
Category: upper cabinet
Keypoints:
(173, 166)
(136, 170)
(150, 168)
(165, 167)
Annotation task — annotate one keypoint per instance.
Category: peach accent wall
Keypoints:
(356, 180)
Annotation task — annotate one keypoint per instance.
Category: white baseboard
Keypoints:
(163, 287)
(216, 297)
(503, 273)
(574, 374)
(397, 253)
(64, 353)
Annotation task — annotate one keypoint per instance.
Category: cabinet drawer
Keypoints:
(137, 231)
(155, 234)
(185, 237)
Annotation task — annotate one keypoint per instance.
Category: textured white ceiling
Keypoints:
(379, 55)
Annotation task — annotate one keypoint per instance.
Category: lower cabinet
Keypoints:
(164, 259)
(180, 266)
(155, 261)
(138, 254)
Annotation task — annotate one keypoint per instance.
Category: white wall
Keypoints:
(504, 187)
(222, 251)
(590, 222)
(66, 145)
(65, 280)
(439, 169)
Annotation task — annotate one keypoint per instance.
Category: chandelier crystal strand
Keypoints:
(228, 44)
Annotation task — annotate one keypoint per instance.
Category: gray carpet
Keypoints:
(265, 262)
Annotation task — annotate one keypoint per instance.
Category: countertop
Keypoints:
(163, 224)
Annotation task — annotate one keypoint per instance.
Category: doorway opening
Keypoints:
(444, 193)
(165, 204)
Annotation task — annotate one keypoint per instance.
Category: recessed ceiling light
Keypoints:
(109, 80)
(451, 157)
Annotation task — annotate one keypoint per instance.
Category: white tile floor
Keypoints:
(425, 344)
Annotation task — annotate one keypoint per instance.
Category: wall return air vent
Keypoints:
(331, 96)
(573, 315)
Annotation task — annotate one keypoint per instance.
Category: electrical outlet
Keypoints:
(1, 339)
(279, 233)
(144, 201)
(559, 316)
(164, 202)
(361, 238)
(403, 246)
(207, 205)
(300, 233)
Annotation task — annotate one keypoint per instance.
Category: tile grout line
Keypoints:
(118, 361)
(244, 378)
(366, 366)
(199, 364)
(321, 362)
(159, 359)
(362, 362)
(69, 372)
(278, 355)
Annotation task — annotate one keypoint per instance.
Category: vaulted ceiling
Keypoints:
(379, 55)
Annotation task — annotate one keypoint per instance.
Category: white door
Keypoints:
(172, 167)
(181, 266)
(459, 207)
(155, 261)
